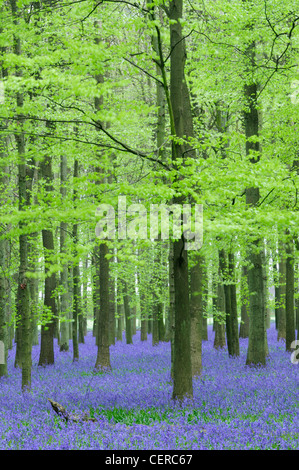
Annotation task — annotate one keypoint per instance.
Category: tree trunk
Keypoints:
(95, 289)
(143, 315)
(82, 311)
(155, 322)
(76, 296)
(64, 304)
(33, 287)
(182, 369)
(23, 356)
(204, 309)
(3, 271)
(103, 354)
(256, 354)
(276, 292)
(196, 306)
(231, 319)
(112, 330)
(120, 314)
(281, 321)
(129, 339)
(161, 325)
(47, 329)
(244, 324)
(219, 340)
(171, 306)
(289, 312)
(143, 307)
(234, 312)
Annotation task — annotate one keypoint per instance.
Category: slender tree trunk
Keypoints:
(120, 310)
(112, 330)
(4, 271)
(204, 309)
(290, 314)
(182, 369)
(161, 325)
(171, 306)
(276, 293)
(133, 319)
(64, 297)
(76, 296)
(129, 339)
(231, 319)
(85, 294)
(95, 289)
(244, 324)
(82, 312)
(23, 358)
(143, 314)
(143, 319)
(297, 306)
(47, 329)
(155, 322)
(234, 312)
(119, 330)
(155, 301)
(33, 287)
(196, 306)
(281, 321)
(143, 309)
(256, 354)
(103, 354)
(3, 311)
(219, 340)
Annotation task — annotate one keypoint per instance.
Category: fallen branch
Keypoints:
(62, 413)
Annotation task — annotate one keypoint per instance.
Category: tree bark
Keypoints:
(103, 354)
(112, 311)
(281, 321)
(76, 292)
(129, 339)
(244, 324)
(196, 306)
(64, 296)
(3, 272)
(289, 312)
(234, 312)
(47, 329)
(182, 369)
(231, 320)
(22, 301)
(204, 309)
(219, 340)
(256, 354)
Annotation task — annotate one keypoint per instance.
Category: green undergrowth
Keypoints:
(151, 416)
(132, 416)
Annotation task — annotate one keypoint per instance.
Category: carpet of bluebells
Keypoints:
(234, 406)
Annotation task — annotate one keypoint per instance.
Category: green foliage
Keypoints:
(78, 54)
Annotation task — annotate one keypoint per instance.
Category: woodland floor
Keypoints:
(234, 406)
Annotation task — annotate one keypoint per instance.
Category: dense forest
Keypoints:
(122, 123)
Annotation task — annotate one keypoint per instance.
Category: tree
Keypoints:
(64, 304)
(24, 339)
(50, 309)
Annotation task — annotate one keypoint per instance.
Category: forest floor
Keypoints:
(234, 406)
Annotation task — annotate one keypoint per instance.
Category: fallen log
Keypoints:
(62, 413)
